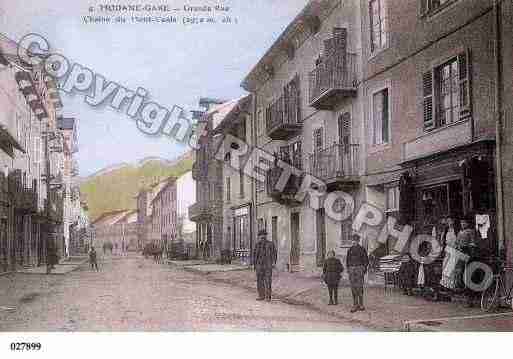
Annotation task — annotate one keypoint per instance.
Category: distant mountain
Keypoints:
(115, 187)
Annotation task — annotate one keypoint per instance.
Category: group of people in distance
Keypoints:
(357, 262)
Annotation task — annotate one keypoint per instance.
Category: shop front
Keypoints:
(241, 233)
(450, 197)
(447, 196)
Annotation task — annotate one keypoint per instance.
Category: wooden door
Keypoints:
(344, 130)
(294, 244)
(321, 236)
(274, 230)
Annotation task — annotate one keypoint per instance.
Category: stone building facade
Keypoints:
(207, 212)
(429, 85)
(31, 196)
(308, 113)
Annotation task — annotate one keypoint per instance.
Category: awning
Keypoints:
(375, 179)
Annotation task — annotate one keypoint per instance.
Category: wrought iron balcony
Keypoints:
(333, 79)
(24, 199)
(283, 118)
(288, 194)
(199, 211)
(337, 165)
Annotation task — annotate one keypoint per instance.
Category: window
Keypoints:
(242, 130)
(260, 122)
(446, 92)
(261, 224)
(380, 117)
(260, 186)
(378, 26)
(392, 195)
(241, 182)
(317, 139)
(297, 155)
(428, 7)
(228, 188)
(274, 229)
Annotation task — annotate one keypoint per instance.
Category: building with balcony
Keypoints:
(430, 73)
(238, 206)
(29, 103)
(308, 114)
(185, 197)
(69, 146)
(164, 215)
(207, 212)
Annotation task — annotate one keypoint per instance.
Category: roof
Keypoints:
(126, 215)
(313, 10)
(162, 186)
(230, 114)
(219, 112)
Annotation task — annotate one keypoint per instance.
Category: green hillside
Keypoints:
(116, 189)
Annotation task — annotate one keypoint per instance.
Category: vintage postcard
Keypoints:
(276, 166)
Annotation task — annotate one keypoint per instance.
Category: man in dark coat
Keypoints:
(93, 259)
(357, 263)
(331, 273)
(265, 257)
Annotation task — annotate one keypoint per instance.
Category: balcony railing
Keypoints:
(199, 211)
(288, 194)
(336, 164)
(24, 199)
(332, 79)
(283, 117)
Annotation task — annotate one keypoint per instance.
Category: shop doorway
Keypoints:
(439, 201)
(321, 236)
(274, 229)
(4, 262)
(294, 244)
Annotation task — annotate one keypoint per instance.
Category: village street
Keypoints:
(135, 294)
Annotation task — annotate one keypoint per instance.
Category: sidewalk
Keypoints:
(64, 267)
(387, 308)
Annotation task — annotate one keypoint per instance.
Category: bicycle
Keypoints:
(497, 293)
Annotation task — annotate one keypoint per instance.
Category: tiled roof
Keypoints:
(220, 112)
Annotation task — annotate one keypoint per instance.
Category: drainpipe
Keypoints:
(254, 206)
(498, 133)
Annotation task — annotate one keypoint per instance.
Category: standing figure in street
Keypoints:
(357, 263)
(265, 257)
(331, 273)
(93, 259)
(51, 259)
(466, 243)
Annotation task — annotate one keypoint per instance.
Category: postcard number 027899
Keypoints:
(19, 346)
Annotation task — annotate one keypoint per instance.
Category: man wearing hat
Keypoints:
(356, 263)
(265, 257)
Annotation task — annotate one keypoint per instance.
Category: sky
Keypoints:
(177, 64)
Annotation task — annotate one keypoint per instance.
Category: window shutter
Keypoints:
(464, 79)
(296, 103)
(371, 27)
(427, 94)
(286, 101)
(423, 7)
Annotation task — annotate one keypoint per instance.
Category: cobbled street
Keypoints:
(136, 294)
